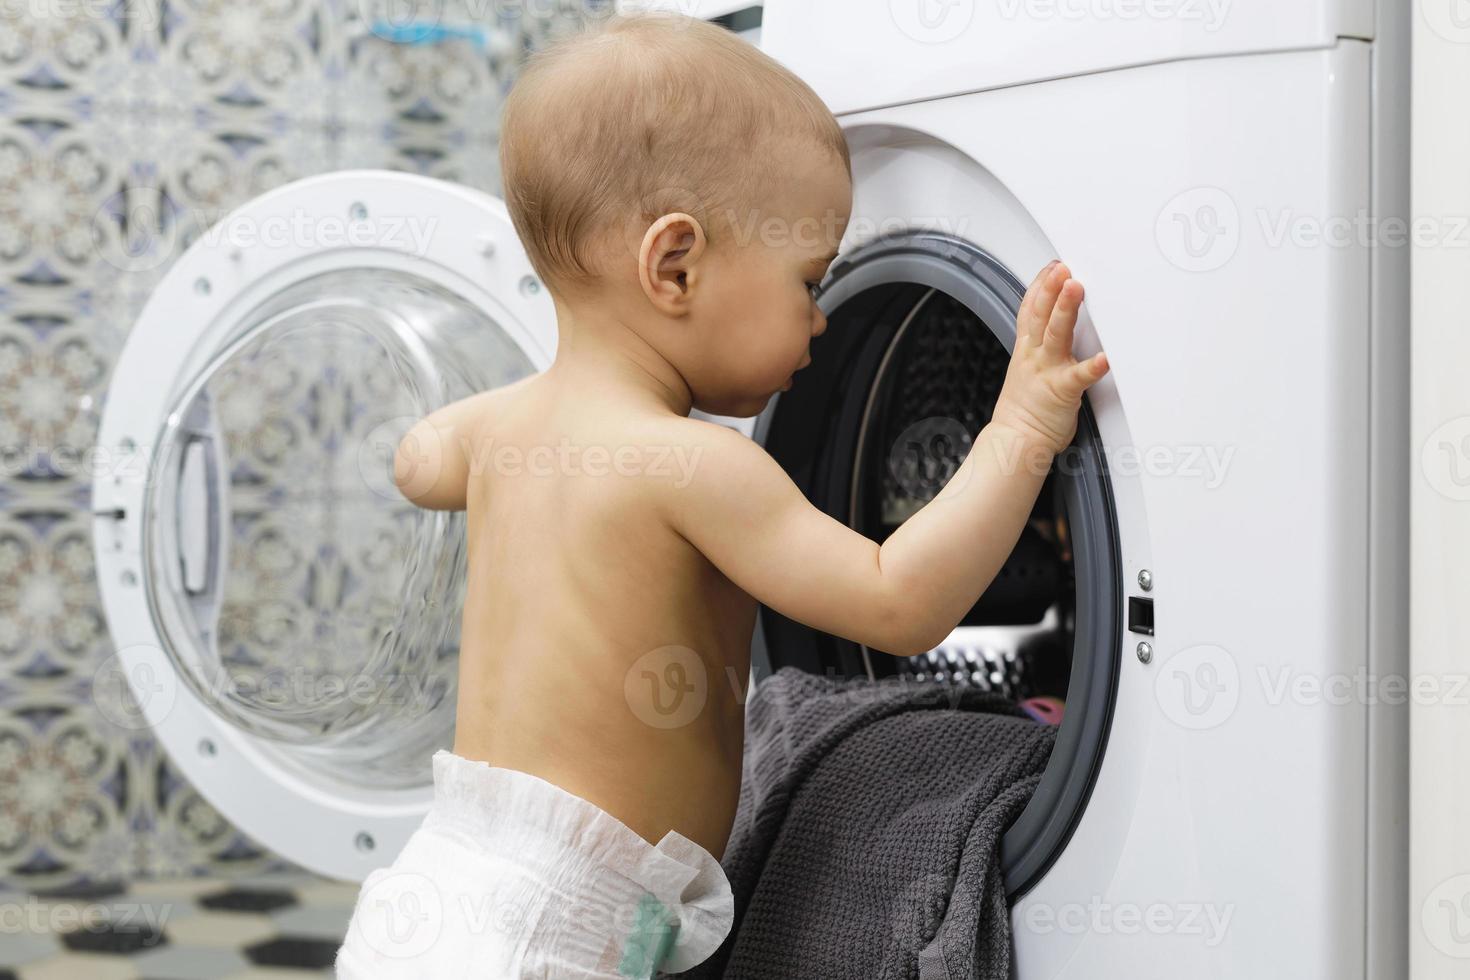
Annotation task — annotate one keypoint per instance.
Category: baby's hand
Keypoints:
(1044, 383)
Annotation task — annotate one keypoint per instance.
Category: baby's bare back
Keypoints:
(600, 650)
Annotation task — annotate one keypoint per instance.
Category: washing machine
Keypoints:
(1210, 574)
(1226, 795)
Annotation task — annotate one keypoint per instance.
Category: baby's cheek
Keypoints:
(775, 353)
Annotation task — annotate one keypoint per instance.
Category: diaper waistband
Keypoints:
(498, 809)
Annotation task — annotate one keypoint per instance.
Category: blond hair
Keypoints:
(640, 115)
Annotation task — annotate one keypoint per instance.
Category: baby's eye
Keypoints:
(815, 288)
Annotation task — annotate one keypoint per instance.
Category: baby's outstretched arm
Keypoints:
(745, 514)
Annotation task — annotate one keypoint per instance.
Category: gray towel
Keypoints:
(866, 843)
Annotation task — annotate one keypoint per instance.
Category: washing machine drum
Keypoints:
(286, 622)
(920, 329)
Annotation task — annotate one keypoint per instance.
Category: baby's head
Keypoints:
(669, 177)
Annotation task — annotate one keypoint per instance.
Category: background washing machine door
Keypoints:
(286, 622)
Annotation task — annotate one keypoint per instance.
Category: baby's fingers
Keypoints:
(1063, 322)
(1028, 328)
(1091, 371)
(1037, 305)
(1036, 283)
(1045, 298)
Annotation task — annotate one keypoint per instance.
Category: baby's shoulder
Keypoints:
(498, 404)
(658, 456)
(511, 393)
(691, 455)
(698, 437)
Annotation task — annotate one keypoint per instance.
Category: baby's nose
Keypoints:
(819, 324)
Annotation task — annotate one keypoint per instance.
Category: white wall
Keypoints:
(1440, 566)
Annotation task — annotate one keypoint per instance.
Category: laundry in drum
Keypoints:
(1045, 709)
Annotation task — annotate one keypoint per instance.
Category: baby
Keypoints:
(682, 197)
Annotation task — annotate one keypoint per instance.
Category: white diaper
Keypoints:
(510, 876)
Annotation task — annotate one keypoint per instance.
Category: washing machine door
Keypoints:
(921, 326)
(287, 623)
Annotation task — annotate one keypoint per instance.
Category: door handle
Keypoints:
(197, 531)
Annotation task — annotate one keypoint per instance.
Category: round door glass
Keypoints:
(298, 593)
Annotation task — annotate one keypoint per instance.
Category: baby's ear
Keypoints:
(681, 240)
(671, 249)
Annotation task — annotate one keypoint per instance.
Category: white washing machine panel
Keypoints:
(885, 52)
(302, 678)
(1208, 207)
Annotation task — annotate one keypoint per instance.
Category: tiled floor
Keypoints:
(284, 927)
